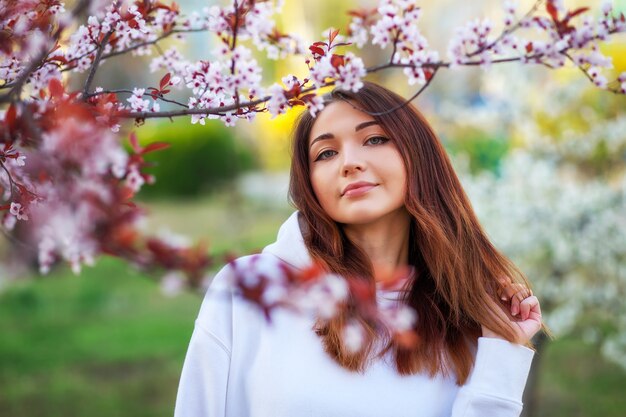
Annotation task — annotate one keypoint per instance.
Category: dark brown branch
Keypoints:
(175, 113)
(11, 183)
(95, 64)
(131, 92)
(213, 110)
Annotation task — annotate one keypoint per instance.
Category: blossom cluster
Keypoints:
(270, 284)
(557, 206)
(563, 41)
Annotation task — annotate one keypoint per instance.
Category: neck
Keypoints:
(385, 241)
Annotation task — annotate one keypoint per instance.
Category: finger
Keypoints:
(530, 305)
(515, 304)
(521, 292)
(513, 289)
(504, 283)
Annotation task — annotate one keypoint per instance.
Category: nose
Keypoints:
(352, 162)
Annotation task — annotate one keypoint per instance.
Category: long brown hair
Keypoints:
(457, 268)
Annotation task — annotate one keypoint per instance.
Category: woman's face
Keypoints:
(357, 173)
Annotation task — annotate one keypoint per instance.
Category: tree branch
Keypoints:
(131, 92)
(507, 31)
(11, 183)
(16, 89)
(95, 64)
(406, 102)
(131, 48)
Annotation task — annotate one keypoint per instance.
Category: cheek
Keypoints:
(322, 187)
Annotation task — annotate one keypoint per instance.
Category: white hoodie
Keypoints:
(238, 365)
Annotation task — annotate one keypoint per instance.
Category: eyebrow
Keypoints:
(358, 127)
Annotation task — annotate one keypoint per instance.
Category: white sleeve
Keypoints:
(203, 384)
(496, 383)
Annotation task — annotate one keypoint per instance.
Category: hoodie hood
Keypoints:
(289, 246)
(291, 249)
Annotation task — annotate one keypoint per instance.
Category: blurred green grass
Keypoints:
(109, 342)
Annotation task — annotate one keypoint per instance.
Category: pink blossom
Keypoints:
(20, 161)
(359, 32)
(353, 336)
(277, 103)
(137, 103)
(18, 211)
(607, 7)
(315, 105)
(398, 317)
(134, 179)
(172, 283)
(290, 81)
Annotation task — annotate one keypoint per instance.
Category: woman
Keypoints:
(374, 191)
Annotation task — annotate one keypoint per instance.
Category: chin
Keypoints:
(362, 215)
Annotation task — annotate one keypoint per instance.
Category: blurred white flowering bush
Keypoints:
(556, 205)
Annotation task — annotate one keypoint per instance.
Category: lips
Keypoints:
(357, 188)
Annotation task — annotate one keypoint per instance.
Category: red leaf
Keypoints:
(156, 146)
(320, 43)
(529, 47)
(428, 75)
(5, 207)
(317, 50)
(332, 36)
(56, 88)
(576, 12)
(127, 193)
(552, 11)
(165, 81)
(10, 117)
(165, 91)
(337, 60)
(135, 143)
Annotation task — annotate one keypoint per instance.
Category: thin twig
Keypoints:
(213, 110)
(131, 48)
(95, 64)
(586, 73)
(232, 49)
(406, 102)
(11, 183)
(506, 31)
(97, 93)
